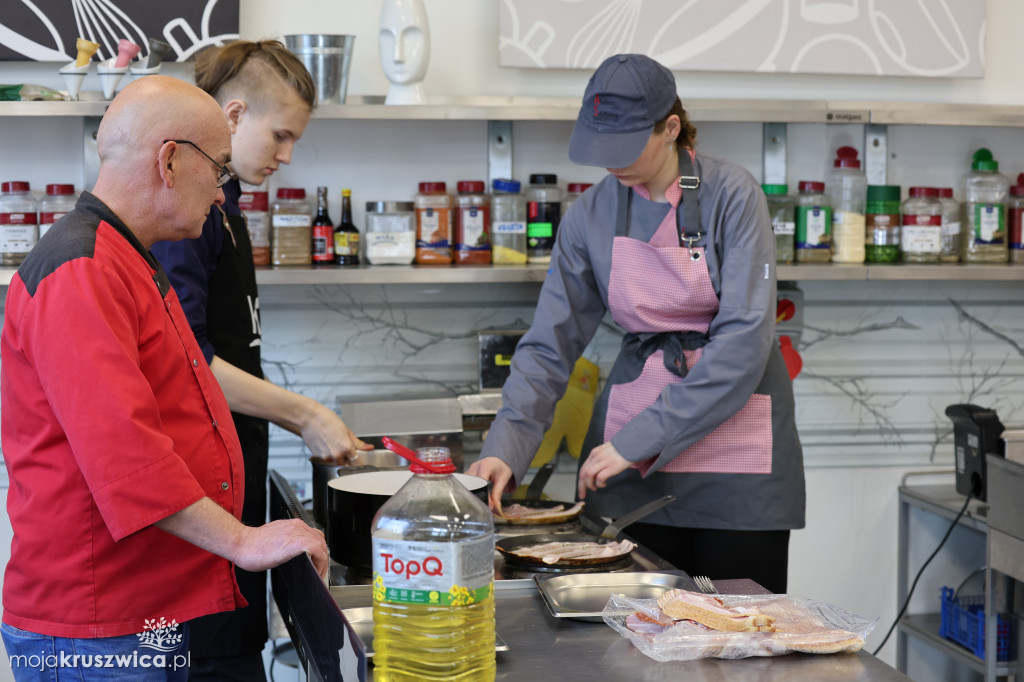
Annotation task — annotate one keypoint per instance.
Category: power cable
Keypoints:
(906, 603)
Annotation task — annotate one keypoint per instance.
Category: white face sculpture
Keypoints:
(404, 41)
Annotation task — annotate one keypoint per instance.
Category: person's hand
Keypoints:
(603, 463)
(500, 476)
(274, 543)
(328, 437)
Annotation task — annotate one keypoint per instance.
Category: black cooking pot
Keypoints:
(324, 471)
(353, 501)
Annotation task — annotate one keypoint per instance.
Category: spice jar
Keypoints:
(390, 232)
(291, 228)
(921, 234)
(882, 223)
(544, 211)
(952, 227)
(1014, 218)
(985, 195)
(508, 223)
(433, 223)
(254, 203)
(573, 192)
(19, 222)
(472, 224)
(813, 224)
(782, 211)
(847, 190)
(58, 202)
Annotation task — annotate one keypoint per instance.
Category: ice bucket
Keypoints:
(328, 58)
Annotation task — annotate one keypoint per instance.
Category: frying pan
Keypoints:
(540, 504)
(507, 547)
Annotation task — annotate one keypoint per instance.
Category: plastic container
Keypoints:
(813, 224)
(433, 223)
(573, 192)
(952, 237)
(390, 232)
(963, 621)
(433, 580)
(921, 234)
(19, 222)
(847, 191)
(782, 210)
(984, 211)
(472, 224)
(508, 223)
(882, 224)
(1015, 222)
(254, 203)
(291, 228)
(58, 202)
(544, 211)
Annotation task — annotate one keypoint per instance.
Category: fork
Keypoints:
(704, 584)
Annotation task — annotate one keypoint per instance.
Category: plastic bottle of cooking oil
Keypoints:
(433, 580)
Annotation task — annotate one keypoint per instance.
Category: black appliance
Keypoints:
(976, 433)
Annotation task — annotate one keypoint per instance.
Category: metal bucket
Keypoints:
(327, 58)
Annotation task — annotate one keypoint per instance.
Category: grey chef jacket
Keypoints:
(739, 357)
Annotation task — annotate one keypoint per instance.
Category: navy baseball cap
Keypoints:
(625, 98)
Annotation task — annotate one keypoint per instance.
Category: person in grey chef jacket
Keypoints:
(678, 248)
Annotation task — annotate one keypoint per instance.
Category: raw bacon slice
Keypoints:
(710, 611)
(553, 552)
(524, 515)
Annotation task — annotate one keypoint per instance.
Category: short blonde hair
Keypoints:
(246, 70)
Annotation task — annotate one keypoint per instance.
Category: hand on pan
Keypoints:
(603, 463)
(500, 476)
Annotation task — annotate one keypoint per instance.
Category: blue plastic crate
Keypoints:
(963, 621)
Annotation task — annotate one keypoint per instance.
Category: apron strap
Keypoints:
(689, 182)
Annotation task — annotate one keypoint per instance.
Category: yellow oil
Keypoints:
(416, 642)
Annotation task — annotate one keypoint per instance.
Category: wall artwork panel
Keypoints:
(931, 38)
(46, 30)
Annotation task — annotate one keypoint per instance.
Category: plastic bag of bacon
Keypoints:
(682, 625)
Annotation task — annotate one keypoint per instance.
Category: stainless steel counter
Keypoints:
(542, 647)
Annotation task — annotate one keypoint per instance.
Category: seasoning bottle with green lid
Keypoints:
(782, 211)
(882, 224)
(985, 196)
(921, 233)
(813, 223)
(1015, 219)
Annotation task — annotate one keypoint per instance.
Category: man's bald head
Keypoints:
(153, 109)
(161, 187)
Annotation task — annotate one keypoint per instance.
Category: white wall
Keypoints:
(847, 552)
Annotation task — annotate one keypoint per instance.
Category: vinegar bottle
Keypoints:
(346, 234)
(433, 580)
(323, 231)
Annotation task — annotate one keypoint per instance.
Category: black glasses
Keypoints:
(224, 173)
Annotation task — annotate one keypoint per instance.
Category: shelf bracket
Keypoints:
(774, 154)
(499, 151)
(90, 157)
(876, 153)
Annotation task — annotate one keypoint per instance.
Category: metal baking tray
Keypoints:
(361, 620)
(584, 595)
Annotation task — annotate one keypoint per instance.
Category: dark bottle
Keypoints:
(323, 231)
(346, 236)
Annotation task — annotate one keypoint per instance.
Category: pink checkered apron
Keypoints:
(668, 325)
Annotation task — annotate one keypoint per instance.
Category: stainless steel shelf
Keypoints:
(495, 108)
(925, 627)
(499, 274)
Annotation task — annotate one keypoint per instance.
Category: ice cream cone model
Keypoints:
(73, 77)
(110, 76)
(86, 49)
(140, 71)
(126, 51)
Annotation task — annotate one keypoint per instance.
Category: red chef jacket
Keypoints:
(112, 421)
